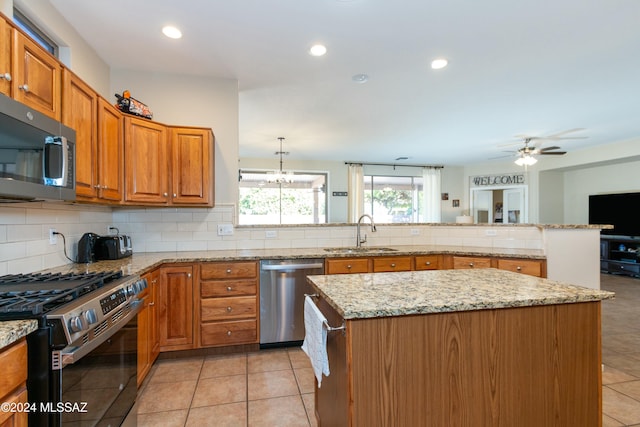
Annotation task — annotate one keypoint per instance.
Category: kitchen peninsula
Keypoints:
(460, 347)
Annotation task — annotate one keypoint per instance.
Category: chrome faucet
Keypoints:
(359, 242)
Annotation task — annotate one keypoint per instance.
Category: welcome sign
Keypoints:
(498, 180)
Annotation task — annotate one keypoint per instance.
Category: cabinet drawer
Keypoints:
(471, 262)
(228, 270)
(427, 262)
(349, 265)
(13, 361)
(397, 263)
(530, 267)
(229, 333)
(228, 288)
(228, 308)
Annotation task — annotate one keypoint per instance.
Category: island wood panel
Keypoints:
(527, 366)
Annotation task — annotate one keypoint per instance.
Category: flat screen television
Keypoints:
(620, 210)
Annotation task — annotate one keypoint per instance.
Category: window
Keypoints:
(301, 201)
(34, 32)
(392, 199)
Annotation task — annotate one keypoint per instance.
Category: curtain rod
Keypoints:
(394, 165)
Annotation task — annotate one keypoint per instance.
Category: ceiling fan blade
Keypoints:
(564, 132)
(555, 147)
(557, 153)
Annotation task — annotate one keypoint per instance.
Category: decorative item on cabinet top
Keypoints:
(130, 105)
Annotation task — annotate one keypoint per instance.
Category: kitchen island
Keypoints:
(459, 347)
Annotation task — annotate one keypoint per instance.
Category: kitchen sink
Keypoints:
(352, 250)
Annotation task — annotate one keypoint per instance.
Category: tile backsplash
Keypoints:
(25, 246)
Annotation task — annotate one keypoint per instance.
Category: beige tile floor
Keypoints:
(275, 387)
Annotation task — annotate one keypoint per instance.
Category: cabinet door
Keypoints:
(146, 162)
(153, 280)
(5, 57)
(110, 152)
(175, 318)
(192, 167)
(530, 267)
(144, 322)
(427, 262)
(80, 112)
(471, 262)
(396, 263)
(347, 265)
(36, 76)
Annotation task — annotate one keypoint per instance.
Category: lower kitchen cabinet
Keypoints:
(428, 262)
(148, 340)
(395, 263)
(13, 387)
(228, 303)
(471, 262)
(524, 266)
(346, 265)
(175, 311)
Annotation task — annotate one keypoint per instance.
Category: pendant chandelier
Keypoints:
(280, 176)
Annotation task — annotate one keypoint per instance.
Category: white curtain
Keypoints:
(355, 192)
(431, 208)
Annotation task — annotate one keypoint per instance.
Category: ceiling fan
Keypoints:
(525, 155)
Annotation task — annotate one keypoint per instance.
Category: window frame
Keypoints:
(32, 30)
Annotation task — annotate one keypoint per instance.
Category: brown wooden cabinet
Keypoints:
(5, 57)
(393, 263)
(36, 76)
(175, 311)
(13, 387)
(191, 166)
(471, 262)
(228, 310)
(148, 340)
(524, 266)
(346, 265)
(110, 153)
(428, 262)
(146, 162)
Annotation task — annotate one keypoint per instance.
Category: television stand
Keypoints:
(620, 255)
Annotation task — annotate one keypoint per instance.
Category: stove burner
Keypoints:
(29, 295)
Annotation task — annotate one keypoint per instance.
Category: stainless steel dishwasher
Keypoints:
(283, 284)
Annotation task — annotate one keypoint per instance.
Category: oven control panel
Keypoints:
(113, 301)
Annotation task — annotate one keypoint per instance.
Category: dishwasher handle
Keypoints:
(288, 267)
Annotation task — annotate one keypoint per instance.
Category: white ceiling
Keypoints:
(515, 67)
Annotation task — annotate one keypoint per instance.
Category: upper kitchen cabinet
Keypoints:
(5, 57)
(110, 153)
(146, 162)
(192, 166)
(35, 77)
(167, 165)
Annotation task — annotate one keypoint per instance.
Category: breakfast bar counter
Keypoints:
(452, 347)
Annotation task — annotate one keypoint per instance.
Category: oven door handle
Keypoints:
(72, 354)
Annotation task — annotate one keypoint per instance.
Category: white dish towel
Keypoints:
(315, 339)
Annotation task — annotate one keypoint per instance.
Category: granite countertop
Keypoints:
(140, 263)
(12, 330)
(359, 296)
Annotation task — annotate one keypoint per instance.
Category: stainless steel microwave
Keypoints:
(37, 155)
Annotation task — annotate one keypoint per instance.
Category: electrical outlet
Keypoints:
(53, 238)
(225, 229)
(270, 234)
(415, 232)
(490, 232)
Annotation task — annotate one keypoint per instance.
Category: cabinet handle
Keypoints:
(188, 274)
(471, 264)
(175, 195)
(228, 271)
(151, 304)
(393, 264)
(518, 268)
(154, 281)
(349, 266)
(24, 87)
(228, 333)
(5, 76)
(165, 194)
(229, 288)
(229, 309)
(427, 263)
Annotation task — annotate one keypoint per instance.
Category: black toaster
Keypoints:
(112, 247)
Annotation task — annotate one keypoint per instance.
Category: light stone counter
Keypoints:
(359, 296)
(12, 330)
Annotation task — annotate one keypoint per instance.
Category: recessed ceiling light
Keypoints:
(171, 32)
(317, 50)
(360, 78)
(439, 63)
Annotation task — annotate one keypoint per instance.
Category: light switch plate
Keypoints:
(270, 234)
(415, 232)
(225, 229)
(490, 232)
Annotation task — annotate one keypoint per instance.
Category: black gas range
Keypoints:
(82, 359)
